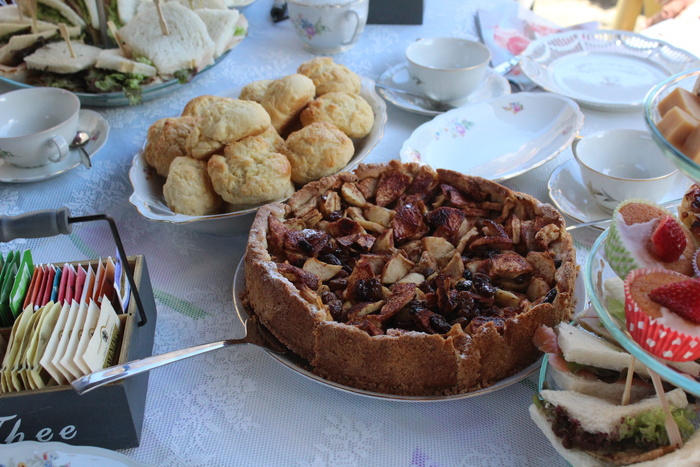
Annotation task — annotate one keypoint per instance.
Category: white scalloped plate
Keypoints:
(607, 70)
(498, 138)
(36, 454)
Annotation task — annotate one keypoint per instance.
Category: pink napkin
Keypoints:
(508, 30)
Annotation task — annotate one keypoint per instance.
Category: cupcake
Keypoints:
(662, 312)
(645, 235)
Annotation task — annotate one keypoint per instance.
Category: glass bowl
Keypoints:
(596, 272)
(686, 80)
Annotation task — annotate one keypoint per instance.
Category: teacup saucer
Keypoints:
(91, 122)
(397, 76)
(570, 196)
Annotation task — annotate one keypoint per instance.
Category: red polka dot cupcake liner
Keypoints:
(654, 337)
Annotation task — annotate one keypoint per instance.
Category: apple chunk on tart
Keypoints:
(403, 280)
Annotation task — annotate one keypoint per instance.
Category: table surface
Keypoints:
(239, 406)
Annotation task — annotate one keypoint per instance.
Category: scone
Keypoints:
(255, 91)
(221, 120)
(286, 97)
(272, 138)
(329, 76)
(188, 189)
(316, 151)
(166, 141)
(349, 112)
(249, 173)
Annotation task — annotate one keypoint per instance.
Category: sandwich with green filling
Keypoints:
(589, 431)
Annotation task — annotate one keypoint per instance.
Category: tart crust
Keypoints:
(403, 361)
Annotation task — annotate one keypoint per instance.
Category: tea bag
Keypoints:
(56, 284)
(21, 283)
(69, 291)
(63, 342)
(97, 286)
(38, 376)
(80, 276)
(91, 317)
(24, 364)
(33, 286)
(16, 336)
(17, 379)
(102, 347)
(52, 345)
(46, 287)
(7, 276)
(121, 283)
(68, 359)
(88, 285)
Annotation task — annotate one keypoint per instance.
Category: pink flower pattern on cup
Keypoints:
(311, 30)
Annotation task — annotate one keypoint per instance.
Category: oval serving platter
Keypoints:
(470, 139)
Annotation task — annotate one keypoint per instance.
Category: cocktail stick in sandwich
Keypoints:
(17, 39)
(185, 49)
(54, 65)
(590, 431)
(581, 361)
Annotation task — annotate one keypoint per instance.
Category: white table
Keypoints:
(239, 406)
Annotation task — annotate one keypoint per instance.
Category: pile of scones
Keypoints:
(224, 154)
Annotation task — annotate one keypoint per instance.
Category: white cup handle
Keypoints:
(348, 14)
(62, 147)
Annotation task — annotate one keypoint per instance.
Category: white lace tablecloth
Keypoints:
(239, 406)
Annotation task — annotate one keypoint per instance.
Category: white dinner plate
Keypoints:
(36, 454)
(397, 76)
(148, 185)
(498, 138)
(301, 366)
(570, 196)
(607, 70)
(91, 122)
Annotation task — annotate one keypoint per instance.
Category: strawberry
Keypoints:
(668, 241)
(682, 298)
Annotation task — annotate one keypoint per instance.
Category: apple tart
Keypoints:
(403, 280)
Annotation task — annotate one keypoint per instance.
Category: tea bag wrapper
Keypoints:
(38, 376)
(13, 347)
(9, 270)
(91, 317)
(21, 283)
(63, 342)
(68, 359)
(52, 345)
(102, 347)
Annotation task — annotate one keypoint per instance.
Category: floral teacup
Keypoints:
(328, 26)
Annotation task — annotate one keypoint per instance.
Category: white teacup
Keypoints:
(328, 26)
(447, 69)
(620, 164)
(37, 125)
